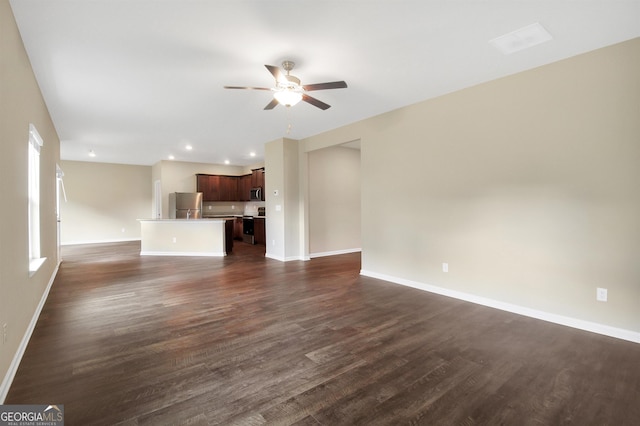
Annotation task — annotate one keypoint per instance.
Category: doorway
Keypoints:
(334, 193)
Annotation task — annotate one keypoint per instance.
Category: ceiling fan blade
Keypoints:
(275, 71)
(325, 86)
(272, 104)
(315, 102)
(246, 88)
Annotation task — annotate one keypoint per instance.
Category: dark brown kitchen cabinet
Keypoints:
(203, 184)
(214, 189)
(244, 188)
(229, 188)
(228, 235)
(257, 178)
(259, 231)
(237, 228)
(217, 187)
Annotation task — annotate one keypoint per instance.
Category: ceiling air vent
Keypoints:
(521, 39)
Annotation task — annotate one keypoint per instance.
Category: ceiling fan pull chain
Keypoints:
(289, 120)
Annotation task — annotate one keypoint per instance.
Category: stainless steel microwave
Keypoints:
(256, 194)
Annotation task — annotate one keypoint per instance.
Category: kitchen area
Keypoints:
(222, 211)
(239, 198)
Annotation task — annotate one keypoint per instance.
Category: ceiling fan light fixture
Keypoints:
(288, 97)
(288, 91)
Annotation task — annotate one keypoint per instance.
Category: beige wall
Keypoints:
(334, 200)
(282, 210)
(21, 103)
(104, 201)
(526, 186)
(275, 228)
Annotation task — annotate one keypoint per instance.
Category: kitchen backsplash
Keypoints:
(249, 208)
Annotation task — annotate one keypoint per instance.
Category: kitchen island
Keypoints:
(186, 237)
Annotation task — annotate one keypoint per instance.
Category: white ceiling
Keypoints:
(136, 80)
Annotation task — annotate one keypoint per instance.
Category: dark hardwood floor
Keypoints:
(130, 340)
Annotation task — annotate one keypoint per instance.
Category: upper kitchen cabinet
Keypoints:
(257, 180)
(203, 185)
(244, 188)
(217, 188)
(228, 188)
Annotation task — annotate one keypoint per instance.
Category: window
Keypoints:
(35, 143)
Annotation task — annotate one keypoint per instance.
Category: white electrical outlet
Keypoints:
(122, 229)
(445, 267)
(273, 242)
(210, 207)
(175, 240)
(601, 294)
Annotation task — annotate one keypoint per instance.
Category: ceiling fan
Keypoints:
(288, 91)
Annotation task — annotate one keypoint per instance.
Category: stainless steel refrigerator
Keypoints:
(185, 205)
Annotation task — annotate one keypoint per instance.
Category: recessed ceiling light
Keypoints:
(189, 147)
(252, 154)
(521, 39)
(226, 161)
(171, 157)
(91, 153)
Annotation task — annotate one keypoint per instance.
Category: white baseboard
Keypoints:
(283, 259)
(274, 257)
(15, 363)
(120, 240)
(335, 252)
(593, 327)
(185, 253)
